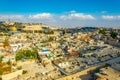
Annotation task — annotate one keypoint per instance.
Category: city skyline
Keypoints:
(62, 13)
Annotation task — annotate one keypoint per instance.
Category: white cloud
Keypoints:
(110, 17)
(41, 16)
(79, 16)
(11, 17)
(118, 17)
(71, 18)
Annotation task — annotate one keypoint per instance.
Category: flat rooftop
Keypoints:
(109, 73)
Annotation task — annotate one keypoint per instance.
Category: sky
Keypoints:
(67, 13)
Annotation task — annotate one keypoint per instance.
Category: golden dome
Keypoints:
(13, 28)
(100, 79)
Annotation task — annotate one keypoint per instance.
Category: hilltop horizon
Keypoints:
(58, 26)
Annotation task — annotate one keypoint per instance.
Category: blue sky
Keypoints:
(62, 12)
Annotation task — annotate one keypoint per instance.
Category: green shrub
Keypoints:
(8, 62)
(6, 42)
(24, 71)
(113, 34)
(1, 73)
(1, 57)
(102, 31)
(26, 54)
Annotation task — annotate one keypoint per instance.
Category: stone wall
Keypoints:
(11, 75)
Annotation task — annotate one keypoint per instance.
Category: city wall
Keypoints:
(11, 75)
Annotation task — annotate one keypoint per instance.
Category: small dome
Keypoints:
(13, 28)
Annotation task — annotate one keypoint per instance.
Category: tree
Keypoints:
(35, 52)
(113, 34)
(1, 57)
(1, 72)
(27, 54)
(6, 42)
(24, 71)
(102, 31)
(9, 62)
